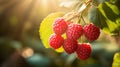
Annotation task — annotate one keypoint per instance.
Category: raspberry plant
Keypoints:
(72, 26)
(56, 41)
(91, 32)
(70, 45)
(59, 26)
(74, 31)
(83, 51)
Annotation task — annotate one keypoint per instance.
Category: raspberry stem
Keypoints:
(79, 19)
(76, 14)
(83, 19)
(79, 12)
(81, 39)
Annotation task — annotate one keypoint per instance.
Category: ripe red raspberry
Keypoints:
(70, 45)
(56, 41)
(74, 31)
(91, 32)
(83, 51)
(59, 26)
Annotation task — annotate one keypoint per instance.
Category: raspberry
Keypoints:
(59, 26)
(56, 41)
(70, 45)
(83, 51)
(91, 32)
(74, 31)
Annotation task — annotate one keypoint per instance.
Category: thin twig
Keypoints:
(83, 19)
(78, 13)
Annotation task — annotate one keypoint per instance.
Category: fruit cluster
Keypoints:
(73, 32)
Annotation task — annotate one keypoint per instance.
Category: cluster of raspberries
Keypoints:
(73, 32)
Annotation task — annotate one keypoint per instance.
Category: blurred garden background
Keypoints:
(21, 46)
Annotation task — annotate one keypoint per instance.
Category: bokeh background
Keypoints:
(21, 46)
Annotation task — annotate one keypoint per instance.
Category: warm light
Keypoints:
(44, 6)
(27, 52)
(44, 2)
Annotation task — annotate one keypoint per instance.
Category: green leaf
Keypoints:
(116, 60)
(117, 3)
(111, 14)
(107, 17)
(97, 2)
(46, 29)
(96, 18)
